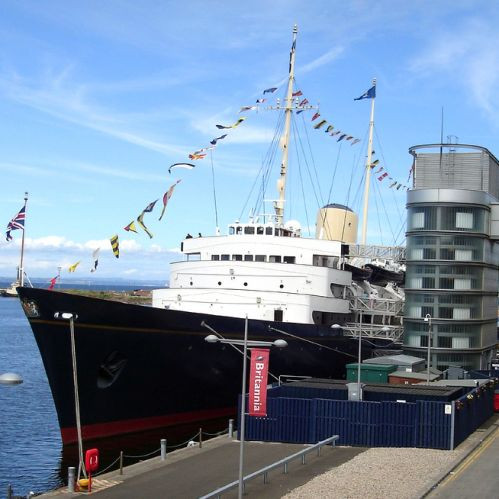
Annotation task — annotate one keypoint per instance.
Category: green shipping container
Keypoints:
(370, 373)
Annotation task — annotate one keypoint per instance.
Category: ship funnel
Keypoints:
(336, 222)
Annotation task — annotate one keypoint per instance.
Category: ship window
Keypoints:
(237, 257)
(231, 230)
(289, 259)
(249, 230)
(239, 230)
(259, 230)
(275, 258)
(248, 258)
(225, 257)
(260, 258)
(193, 256)
(278, 314)
(215, 257)
(268, 231)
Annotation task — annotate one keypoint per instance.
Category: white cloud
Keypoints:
(468, 55)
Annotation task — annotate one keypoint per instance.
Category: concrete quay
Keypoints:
(192, 472)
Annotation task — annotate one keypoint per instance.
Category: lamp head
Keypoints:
(211, 338)
(280, 343)
(336, 326)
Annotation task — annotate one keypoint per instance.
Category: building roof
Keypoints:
(399, 360)
(412, 375)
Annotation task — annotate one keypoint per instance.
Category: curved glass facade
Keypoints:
(448, 279)
(448, 218)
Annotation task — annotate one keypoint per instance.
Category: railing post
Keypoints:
(121, 462)
(231, 428)
(71, 479)
(285, 468)
(200, 437)
(9, 491)
(163, 449)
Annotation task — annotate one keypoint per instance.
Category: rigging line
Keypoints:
(387, 217)
(312, 342)
(323, 215)
(214, 190)
(261, 172)
(305, 127)
(348, 193)
(379, 221)
(309, 174)
(268, 162)
(207, 326)
(401, 217)
(272, 154)
(301, 183)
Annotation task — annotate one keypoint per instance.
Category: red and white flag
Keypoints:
(259, 368)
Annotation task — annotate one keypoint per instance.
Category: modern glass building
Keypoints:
(452, 256)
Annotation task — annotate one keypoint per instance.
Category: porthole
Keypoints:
(245, 283)
(219, 283)
(281, 286)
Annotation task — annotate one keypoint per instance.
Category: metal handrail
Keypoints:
(283, 462)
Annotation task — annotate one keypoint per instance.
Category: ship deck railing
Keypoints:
(395, 253)
(284, 463)
(377, 306)
(373, 331)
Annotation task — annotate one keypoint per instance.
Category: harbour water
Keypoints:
(32, 457)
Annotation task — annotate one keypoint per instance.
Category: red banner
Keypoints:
(259, 368)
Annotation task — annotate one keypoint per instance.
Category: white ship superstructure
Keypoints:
(267, 272)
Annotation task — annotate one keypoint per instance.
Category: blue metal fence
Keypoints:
(427, 424)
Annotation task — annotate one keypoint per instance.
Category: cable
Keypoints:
(214, 191)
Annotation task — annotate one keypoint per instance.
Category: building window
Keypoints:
(418, 220)
(464, 220)
(444, 342)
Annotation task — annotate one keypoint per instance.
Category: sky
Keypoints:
(98, 99)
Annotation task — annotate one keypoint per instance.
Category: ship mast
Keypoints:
(288, 105)
(368, 168)
(20, 272)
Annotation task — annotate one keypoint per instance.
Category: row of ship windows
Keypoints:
(255, 258)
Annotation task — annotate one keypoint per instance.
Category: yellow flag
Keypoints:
(72, 268)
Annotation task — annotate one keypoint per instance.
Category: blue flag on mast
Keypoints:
(370, 94)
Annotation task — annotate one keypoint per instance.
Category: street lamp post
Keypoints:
(71, 317)
(427, 318)
(245, 343)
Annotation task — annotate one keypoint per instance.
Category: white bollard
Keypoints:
(71, 479)
(231, 428)
(163, 449)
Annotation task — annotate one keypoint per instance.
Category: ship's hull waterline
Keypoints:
(141, 368)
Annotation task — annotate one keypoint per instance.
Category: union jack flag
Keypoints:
(16, 223)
